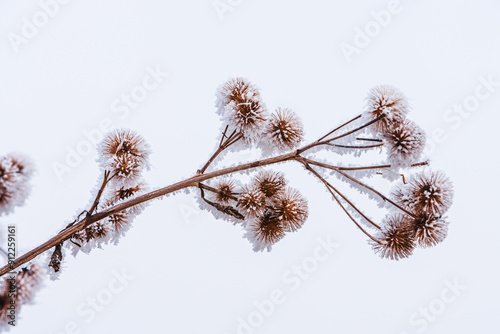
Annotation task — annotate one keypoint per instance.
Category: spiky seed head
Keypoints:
(125, 154)
(291, 209)
(27, 282)
(269, 182)
(265, 230)
(226, 191)
(240, 103)
(122, 193)
(429, 230)
(252, 201)
(429, 192)
(284, 129)
(405, 143)
(97, 230)
(388, 100)
(395, 239)
(16, 171)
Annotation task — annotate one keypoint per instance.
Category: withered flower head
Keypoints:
(225, 191)
(269, 182)
(386, 99)
(123, 193)
(285, 129)
(405, 141)
(265, 230)
(430, 230)
(291, 209)
(428, 192)
(252, 201)
(15, 174)
(26, 284)
(395, 239)
(240, 104)
(124, 153)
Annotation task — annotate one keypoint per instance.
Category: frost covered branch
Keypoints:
(266, 207)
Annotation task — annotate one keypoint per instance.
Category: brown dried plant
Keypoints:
(266, 207)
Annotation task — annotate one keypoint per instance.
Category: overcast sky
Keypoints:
(70, 70)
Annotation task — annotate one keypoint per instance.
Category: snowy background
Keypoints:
(65, 77)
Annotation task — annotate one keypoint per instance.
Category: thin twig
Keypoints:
(385, 198)
(329, 185)
(357, 129)
(329, 188)
(224, 144)
(355, 147)
(370, 139)
(338, 128)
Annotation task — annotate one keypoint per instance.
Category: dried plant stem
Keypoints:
(330, 188)
(385, 198)
(340, 127)
(419, 164)
(194, 181)
(225, 142)
(356, 147)
(105, 181)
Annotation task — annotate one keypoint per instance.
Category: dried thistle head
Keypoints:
(225, 191)
(125, 154)
(291, 209)
(252, 201)
(97, 230)
(124, 142)
(388, 100)
(123, 193)
(396, 239)
(405, 142)
(429, 230)
(429, 192)
(284, 129)
(21, 291)
(240, 103)
(269, 182)
(119, 221)
(265, 230)
(15, 174)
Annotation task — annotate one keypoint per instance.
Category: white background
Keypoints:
(194, 274)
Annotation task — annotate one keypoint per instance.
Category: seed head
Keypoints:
(15, 174)
(269, 182)
(265, 230)
(291, 209)
(389, 100)
(285, 129)
(405, 141)
(225, 191)
(395, 238)
(429, 192)
(239, 103)
(252, 201)
(430, 230)
(125, 154)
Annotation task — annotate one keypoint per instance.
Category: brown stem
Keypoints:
(224, 144)
(370, 139)
(338, 128)
(418, 164)
(320, 164)
(355, 147)
(329, 187)
(87, 220)
(357, 129)
(105, 181)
